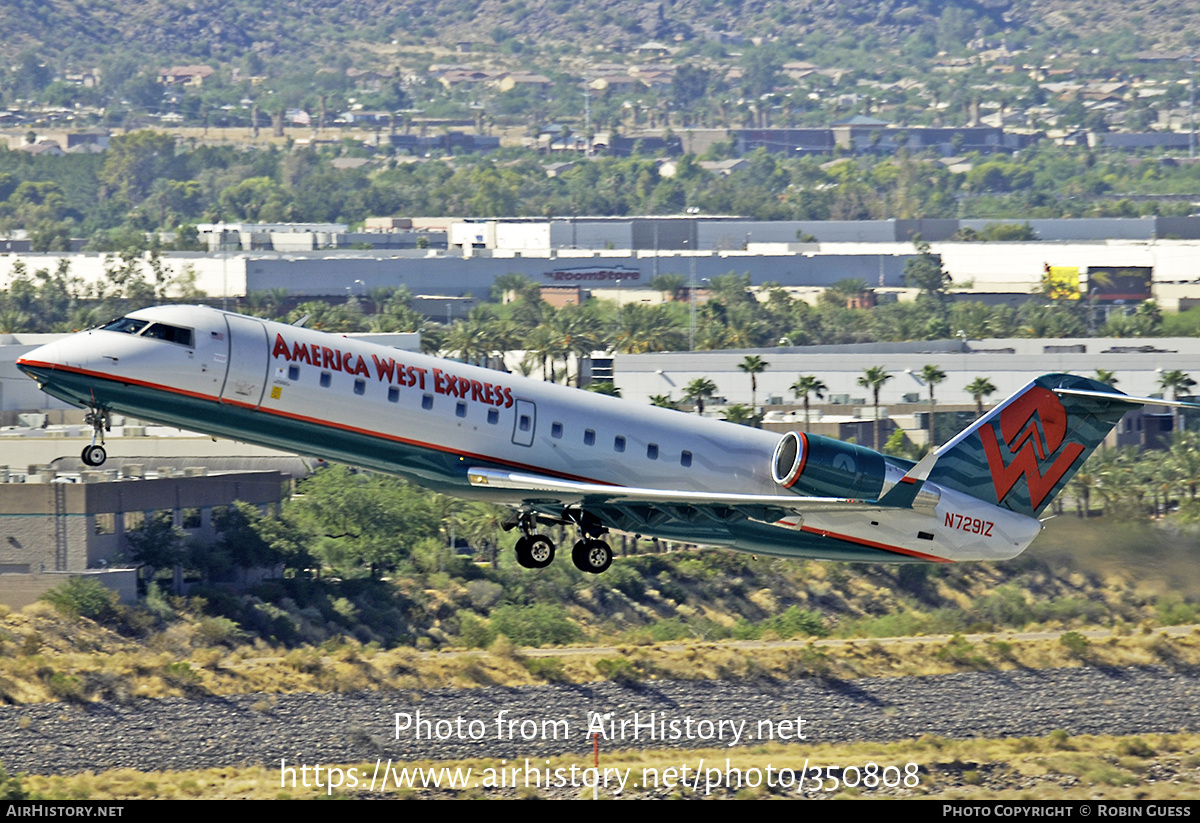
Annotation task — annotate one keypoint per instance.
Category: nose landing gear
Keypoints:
(93, 453)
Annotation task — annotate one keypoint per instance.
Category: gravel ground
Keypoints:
(174, 734)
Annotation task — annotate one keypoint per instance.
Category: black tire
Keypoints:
(592, 556)
(535, 551)
(523, 552)
(94, 455)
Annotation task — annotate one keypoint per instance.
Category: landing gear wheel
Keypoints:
(94, 455)
(535, 551)
(592, 556)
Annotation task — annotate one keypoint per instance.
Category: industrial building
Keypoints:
(1008, 363)
(53, 525)
(627, 253)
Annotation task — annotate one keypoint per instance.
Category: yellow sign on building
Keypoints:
(1061, 282)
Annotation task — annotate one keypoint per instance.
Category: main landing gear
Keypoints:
(536, 551)
(93, 453)
(592, 556)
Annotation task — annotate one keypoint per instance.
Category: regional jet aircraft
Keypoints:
(559, 455)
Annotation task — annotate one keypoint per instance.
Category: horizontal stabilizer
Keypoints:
(902, 495)
(1116, 397)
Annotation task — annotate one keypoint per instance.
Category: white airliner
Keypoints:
(560, 455)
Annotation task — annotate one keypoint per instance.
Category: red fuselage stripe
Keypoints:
(933, 558)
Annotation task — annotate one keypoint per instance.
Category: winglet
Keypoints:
(902, 495)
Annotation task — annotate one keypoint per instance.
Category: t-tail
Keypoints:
(1021, 454)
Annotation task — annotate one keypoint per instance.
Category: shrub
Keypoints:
(84, 597)
(474, 631)
(618, 670)
(10, 786)
(550, 669)
(1075, 643)
(538, 624)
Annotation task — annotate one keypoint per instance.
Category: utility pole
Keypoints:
(692, 298)
(1192, 107)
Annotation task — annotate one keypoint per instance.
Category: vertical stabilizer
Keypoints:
(1022, 453)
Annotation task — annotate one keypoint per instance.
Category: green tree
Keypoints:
(740, 414)
(1175, 381)
(698, 391)
(134, 161)
(604, 387)
(157, 542)
(931, 375)
(240, 535)
(925, 272)
(980, 388)
(873, 378)
(805, 385)
(364, 520)
(753, 365)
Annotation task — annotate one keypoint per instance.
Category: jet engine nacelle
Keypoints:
(810, 464)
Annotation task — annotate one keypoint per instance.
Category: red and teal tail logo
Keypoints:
(1022, 453)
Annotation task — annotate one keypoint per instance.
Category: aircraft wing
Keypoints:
(570, 491)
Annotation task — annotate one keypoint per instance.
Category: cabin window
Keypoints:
(326, 379)
(393, 394)
(427, 402)
(652, 451)
(589, 437)
(685, 459)
(360, 386)
(460, 410)
(619, 443)
(493, 416)
(524, 423)
(293, 372)
(556, 430)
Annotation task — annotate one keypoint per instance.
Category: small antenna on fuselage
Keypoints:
(300, 323)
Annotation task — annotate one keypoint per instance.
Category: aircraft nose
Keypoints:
(68, 353)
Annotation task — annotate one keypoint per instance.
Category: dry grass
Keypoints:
(1052, 767)
(128, 671)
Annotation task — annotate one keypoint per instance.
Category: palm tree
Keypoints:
(980, 388)
(1106, 377)
(1174, 381)
(873, 378)
(663, 401)
(932, 375)
(753, 365)
(698, 390)
(648, 328)
(742, 415)
(805, 385)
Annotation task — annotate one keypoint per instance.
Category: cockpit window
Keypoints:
(127, 325)
(172, 334)
(158, 331)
